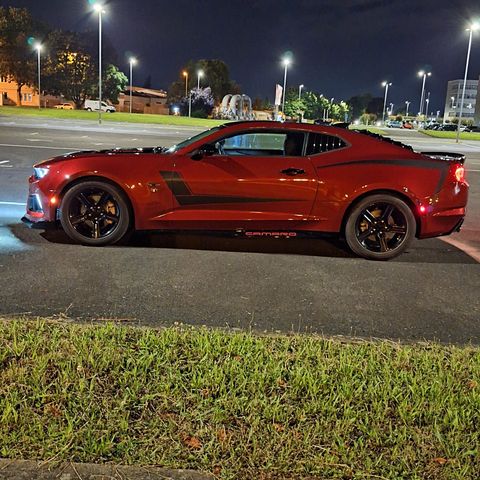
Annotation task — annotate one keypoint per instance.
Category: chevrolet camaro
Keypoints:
(257, 179)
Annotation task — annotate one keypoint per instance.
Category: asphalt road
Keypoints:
(431, 292)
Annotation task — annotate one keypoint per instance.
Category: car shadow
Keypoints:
(424, 251)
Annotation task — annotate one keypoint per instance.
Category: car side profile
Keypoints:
(257, 179)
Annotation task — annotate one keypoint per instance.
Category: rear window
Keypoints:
(320, 143)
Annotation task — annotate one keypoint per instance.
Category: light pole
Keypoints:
(423, 74)
(385, 85)
(38, 48)
(472, 28)
(300, 91)
(427, 102)
(452, 99)
(407, 103)
(99, 9)
(286, 63)
(199, 75)
(185, 74)
(132, 62)
(330, 107)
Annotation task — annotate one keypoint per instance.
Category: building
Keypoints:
(144, 100)
(453, 100)
(28, 96)
(9, 94)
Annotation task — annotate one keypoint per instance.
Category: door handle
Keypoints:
(292, 171)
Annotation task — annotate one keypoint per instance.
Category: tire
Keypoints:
(380, 227)
(95, 213)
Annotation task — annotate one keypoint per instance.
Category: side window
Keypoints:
(320, 143)
(263, 144)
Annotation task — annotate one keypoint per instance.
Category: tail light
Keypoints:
(459, 173)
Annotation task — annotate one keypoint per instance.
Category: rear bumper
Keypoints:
(442, 223)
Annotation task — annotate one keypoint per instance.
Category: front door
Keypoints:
(255, 179)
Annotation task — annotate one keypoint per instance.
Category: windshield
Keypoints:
(193, 139)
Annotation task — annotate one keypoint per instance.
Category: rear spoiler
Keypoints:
(447, 156)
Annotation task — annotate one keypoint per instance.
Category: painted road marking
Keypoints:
(41, 146)
(13, 203)
(3, 164)
(470, 250)
(38, 140)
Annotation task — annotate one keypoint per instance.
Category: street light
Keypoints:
(427, 101)
(132, 62)
(452, 99)
(38, 48)
(385, 85)
(423, 74)
(185, 74)
(199, 75)
(286, 62)
(473, 27)
(99, 9)
(407, 103)
(300, 91)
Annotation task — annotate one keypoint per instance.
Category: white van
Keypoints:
(92, 106)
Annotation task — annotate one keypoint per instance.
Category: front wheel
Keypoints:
(95, 213)
(380, 227)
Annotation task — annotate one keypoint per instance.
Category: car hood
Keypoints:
(109, 152)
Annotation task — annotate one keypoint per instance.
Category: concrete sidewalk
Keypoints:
(30, 470)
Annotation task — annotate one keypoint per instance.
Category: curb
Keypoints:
(32, 470)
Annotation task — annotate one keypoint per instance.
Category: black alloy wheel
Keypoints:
(380, 227)
(95, 213)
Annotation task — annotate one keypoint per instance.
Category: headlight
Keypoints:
(39, 172)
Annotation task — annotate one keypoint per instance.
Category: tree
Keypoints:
(69, 68)
(202, 103)
(115, 82)
(216, 75)
(17, 57)
(294, 107)
(359, 104)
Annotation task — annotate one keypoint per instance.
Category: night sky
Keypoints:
(340, 47)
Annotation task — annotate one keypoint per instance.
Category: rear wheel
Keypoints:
(95, 213)
(380, 227)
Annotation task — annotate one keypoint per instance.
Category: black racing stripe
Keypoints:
(206, 199)
(175, 183)
(443, 166)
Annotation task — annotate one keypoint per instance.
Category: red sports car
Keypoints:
(257, 179)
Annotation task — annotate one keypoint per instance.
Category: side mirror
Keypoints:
(206, 150)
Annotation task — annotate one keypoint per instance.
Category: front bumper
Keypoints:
(41, 203)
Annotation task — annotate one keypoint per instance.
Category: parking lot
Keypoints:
(431, 292)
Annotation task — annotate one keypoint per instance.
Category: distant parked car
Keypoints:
(407, 125)
(448, 127)
(93, 106)
(394, 124)
(64, 106)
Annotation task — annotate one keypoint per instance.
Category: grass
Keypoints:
(110, 117)
(370, 129)
(463, 135)
(239, 405)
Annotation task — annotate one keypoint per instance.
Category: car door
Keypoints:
(253, 179)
